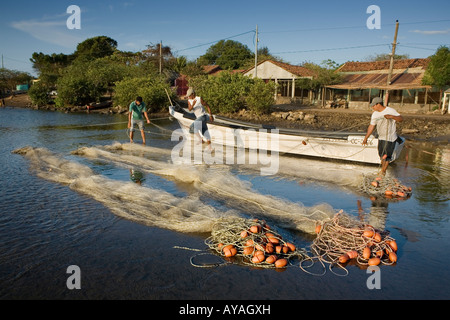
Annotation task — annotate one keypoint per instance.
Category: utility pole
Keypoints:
(256, 53)
(394, 45)
(391, 67)
(160, 57)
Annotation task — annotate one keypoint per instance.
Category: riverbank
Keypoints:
(421, 127)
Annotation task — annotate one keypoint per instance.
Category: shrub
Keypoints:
(38, 94)
(152, 91)
(229, 92)
(261, 96)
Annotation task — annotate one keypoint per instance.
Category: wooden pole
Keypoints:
(391, 66)
(256, 53)
(160, 57)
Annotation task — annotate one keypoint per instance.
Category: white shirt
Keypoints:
(199, 109)
(386, 128)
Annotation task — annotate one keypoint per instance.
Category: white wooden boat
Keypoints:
(329, 145)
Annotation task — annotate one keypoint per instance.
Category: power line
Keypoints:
(205, 44)
(333, 49)
(350, 27)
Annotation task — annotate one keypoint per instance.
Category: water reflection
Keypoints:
(137, 176)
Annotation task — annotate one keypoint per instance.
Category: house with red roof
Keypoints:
(362, 81)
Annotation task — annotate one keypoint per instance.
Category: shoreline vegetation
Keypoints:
(415, 127)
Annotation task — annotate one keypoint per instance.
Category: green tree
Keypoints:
(96, 47)
(9, 79)
(229, 55)
(39, 94)
(50, 66)
(438, 70)
(152, 89)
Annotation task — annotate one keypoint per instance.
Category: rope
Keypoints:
(344, 239)
(250, 238)
(390, 188)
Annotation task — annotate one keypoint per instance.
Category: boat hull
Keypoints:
(337, 146)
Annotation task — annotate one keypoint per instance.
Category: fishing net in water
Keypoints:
(344, 239)
(388, 187)
(252, 242)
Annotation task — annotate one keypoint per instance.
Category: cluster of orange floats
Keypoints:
(257, 244)
(363, 244)
(390, 188)
(373, 257)
(339, 240)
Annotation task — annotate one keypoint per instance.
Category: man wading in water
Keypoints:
(200, 124)
(385, 119)
(137, 109)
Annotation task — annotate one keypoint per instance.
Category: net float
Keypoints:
(271, 259)
(249, 250)
(392, 257)
(254, 229)
(368, 233)
(379, 253)
(244, 234)
(374, 261)
(270, 248)
(290, 246)
(352, 254)
(366, 253)
(285, 249)
(229, 251)
(318, 228)
(377, 237)
(392, 244)
(249, 243)
(375, 184)
(257, 259)
(388, 193)
(278, 249)
(273, 240)
(401, 194)
(281, 263)
(344, 258)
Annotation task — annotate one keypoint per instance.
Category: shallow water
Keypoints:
(70, 200)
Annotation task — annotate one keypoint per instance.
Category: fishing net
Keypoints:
(388, 187)
(252, 242)
(344, 239)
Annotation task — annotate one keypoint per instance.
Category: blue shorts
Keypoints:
(139, 123)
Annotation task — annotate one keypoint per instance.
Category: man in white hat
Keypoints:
(384, 119)
(200, 125)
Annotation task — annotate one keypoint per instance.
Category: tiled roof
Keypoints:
(352, 66)
(297, 70)
(407, 74)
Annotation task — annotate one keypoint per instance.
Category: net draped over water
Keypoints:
(235, 233)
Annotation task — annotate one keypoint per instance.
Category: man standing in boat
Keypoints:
(135, 118)
(200, 124)
(384, 119)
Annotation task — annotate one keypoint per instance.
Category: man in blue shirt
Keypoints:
(135, 118)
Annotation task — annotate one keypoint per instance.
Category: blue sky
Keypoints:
(297, 31)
